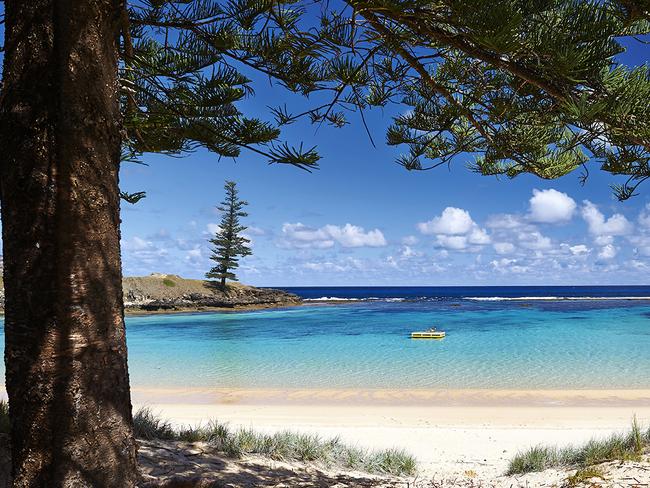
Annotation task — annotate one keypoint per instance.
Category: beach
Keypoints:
(450, 432)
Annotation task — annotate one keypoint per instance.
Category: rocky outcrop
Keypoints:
(160, 292)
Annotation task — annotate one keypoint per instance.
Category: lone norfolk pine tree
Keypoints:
(229, 244)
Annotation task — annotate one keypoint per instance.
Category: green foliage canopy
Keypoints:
(516, 86)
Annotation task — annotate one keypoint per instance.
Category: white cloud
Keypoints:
(347, 264)
(452, 221)
(642, 245)
(300, 236)
(454, 229)
(640, 265)
(478, 236)
(410, 240)
(136, 244)
(604, 240)
(212, 228)
(324, 266)
(505, 222)
(551, 206)
(607, 252)
(408, 252)
(534, 240)
(616, 225)
(194, 253)
(140, 254)
(505, 265)
(455, 243)
(579, 250)
(503, 247)
(353, 236)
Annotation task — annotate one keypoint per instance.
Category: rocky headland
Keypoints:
(170, 293)
(163, 293)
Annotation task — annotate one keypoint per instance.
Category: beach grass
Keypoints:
(147, 425)
(628, 446)
(284, 445)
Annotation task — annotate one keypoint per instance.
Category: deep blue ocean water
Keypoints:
(492, 342)
(456, 292)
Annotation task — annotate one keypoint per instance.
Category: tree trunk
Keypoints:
(65, 352)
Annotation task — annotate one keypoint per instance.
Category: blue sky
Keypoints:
(363, 220)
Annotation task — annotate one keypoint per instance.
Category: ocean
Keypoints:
(497, 338)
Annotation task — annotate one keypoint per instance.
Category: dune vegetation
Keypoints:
(284, 445)
(629, 446)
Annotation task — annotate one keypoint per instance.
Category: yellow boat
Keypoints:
(428, 334)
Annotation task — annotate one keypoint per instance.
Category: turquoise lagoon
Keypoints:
(490, 343)
(494, 345)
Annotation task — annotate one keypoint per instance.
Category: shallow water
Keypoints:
(504, 345)
(521, 344)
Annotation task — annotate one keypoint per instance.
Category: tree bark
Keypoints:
(65, 352)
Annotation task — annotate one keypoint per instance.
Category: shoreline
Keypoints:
(134, 311)
(592, 397)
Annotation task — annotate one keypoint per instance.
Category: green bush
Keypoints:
(168, 282)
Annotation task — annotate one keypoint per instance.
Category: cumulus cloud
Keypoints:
(616, 225)
(353, 236)
(639, 265)
(299, 235)
(551, 206)
(478, 236)
(136, 244)
(579, 250)
(534, 240)
(338, 266)
(143, 255)
(604, 240)
(642, 244)
(456, 243)
(505, 222)
(607, 252)
(454, 229)
(452, 221)
(503, 247)
(505, 265)
(408, 252)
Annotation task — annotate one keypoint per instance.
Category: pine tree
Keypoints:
(87, 85)
(229, 243)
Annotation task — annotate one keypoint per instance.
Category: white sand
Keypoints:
(449, 432)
